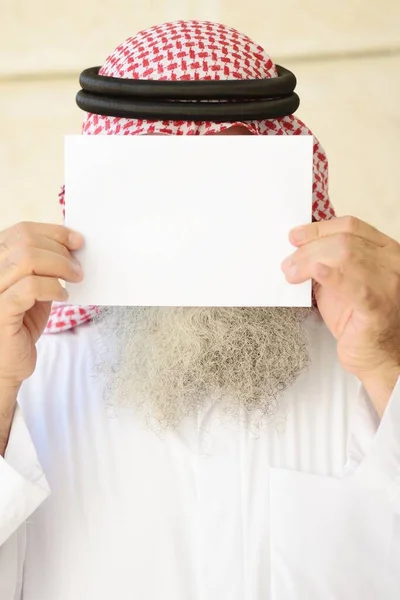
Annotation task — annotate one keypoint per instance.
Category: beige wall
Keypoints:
(346, 55)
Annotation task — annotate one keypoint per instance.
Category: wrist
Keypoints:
(8, 402)
(8, 392)
(379, 385)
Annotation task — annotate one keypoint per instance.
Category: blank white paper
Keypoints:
(187, 220)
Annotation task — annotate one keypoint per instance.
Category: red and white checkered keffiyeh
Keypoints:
(190, 50)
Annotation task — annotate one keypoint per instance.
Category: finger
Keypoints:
(31, 241)
(46, 243)
(349, 284)
(23, 262)
(332, 251)
(22, 296)
(24, 234)
(337, 251)
(349, 225)
(35, 241)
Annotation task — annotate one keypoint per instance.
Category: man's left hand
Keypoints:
(356, 270)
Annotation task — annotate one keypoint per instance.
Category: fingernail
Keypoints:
(298, 234)
(75, 240)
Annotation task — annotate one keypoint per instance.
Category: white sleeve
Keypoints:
(23, 487)
(379, 459)
(340, 538)
(374, 466)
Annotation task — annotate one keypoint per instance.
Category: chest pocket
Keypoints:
(332, 539)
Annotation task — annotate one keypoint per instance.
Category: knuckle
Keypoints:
(23, 233)
(14, 300)
(21, 262)
(8, 265)
(351, 224)
(26, 258)
(61, 267)
(345, 244)
(31, 286)
(367, 296)
(60, 234)
(22, 227)
(301, 254)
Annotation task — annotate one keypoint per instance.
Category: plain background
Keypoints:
(345, 53)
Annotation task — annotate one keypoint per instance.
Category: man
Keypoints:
(202, 453)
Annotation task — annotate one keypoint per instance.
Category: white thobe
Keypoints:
(94, 506)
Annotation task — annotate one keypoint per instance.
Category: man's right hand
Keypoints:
(33, 257)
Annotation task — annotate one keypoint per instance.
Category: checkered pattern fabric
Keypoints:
(191, 50)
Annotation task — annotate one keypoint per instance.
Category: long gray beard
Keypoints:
(172, 362)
